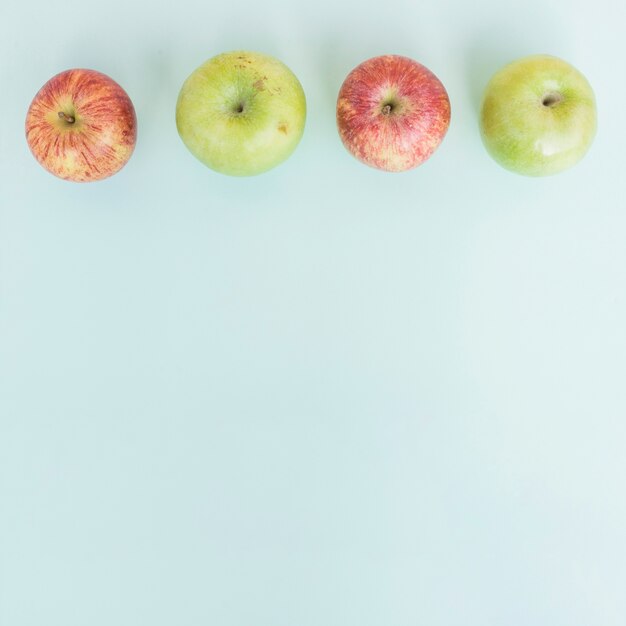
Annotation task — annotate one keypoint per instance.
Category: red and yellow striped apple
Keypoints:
(392, 113)
(81, 126)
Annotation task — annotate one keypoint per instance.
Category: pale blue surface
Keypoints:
(326, 396)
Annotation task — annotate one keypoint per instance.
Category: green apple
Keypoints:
(538, 116)
(241, 113)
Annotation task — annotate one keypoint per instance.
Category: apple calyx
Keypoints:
(70, 119)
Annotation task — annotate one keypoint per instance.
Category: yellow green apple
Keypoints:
(241, 113)
(538, 116)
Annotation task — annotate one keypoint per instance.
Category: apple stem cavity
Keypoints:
(551, 99)
(387, 109)
(70, 119)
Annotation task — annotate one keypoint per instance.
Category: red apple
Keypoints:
(392, 113)
(81, 126)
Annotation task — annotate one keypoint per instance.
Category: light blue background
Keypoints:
(326, 396)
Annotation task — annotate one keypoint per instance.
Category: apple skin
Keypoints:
(241, 113)
(538, 116)
(81, 126)
(392, 113)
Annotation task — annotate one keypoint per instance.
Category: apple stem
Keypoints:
(70, 119)
(386, 109)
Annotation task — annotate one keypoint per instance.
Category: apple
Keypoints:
(241, 113)
(538, 116)
(81, 126)
(392, 113)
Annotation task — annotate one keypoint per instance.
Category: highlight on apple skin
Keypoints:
(241, 113)
(538, 116)
(81, 126)
(392, 113)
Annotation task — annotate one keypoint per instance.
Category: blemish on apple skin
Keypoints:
(282, 128)
(259, 84)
